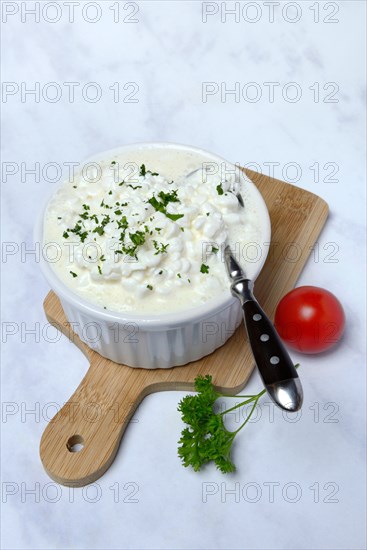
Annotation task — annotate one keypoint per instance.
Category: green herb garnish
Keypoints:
(99, 229)
(138, 238)
(165, 199)
(204, 268)
(73, 274)
(144, 171)
(123, 224)
(77, 230)
(220, 189)
(206, 438)
(160, 248)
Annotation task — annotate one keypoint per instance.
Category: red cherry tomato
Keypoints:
(310, 319)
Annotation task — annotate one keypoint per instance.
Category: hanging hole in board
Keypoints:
(75, 443)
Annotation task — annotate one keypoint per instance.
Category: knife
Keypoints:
(276, 368)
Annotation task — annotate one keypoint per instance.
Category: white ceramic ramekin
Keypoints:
(162, 340)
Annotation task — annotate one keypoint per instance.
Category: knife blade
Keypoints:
(275, 366)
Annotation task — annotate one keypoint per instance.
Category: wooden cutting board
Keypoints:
(100, 409)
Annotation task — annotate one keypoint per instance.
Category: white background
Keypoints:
(169, 53)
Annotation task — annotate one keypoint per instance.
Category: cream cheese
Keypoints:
(137, 235)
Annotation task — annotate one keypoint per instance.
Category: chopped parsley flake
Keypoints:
(150, 287)
(99, 270)
(215, 249)
(137, 238)
(165, 199)
(78, 231)
(123, 224)
(83, 236)
(220, 189)
(160, 248)
(204, 268)
(73, 274)
(174, 217)
(65, 235)
(99, 229)
(168, 197)
(144, 171)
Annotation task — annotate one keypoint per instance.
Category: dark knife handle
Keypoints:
(275, 366)
(272, 359)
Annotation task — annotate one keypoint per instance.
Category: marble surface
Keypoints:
(299, 485)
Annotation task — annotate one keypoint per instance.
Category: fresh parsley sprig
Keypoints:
(206, 438)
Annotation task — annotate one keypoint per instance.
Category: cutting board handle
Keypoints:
(81, 441)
